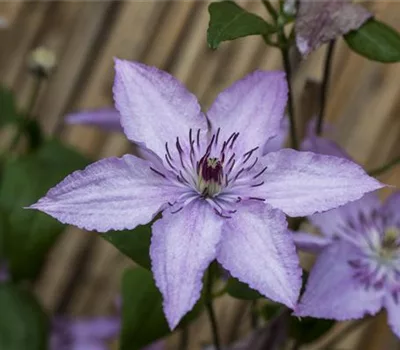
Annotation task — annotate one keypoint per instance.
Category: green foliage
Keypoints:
(28, 234)
(143, 319)
(376, 41)
(8, 109)
(135, 244)
(229, 21)
(240, 290)
(307, 329)
(23, 324)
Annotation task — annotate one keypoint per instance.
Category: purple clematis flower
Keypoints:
(83, 334)
(106, 118)
(359, 252)
(361, 257)
(318, 22)
(221, 196)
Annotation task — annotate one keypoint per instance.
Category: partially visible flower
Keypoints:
(222, 198)
(359, 254)
(318, 22)
(106, 118)
(358, 272)
(83, 334)
(42, 61)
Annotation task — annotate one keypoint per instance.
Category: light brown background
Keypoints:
(83, 272)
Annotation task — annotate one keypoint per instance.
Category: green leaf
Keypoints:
(23, 324)
(376, 41)
(143, 319)
(229, 21)
(30, 233)
(135, 244)
(307, 329)
(240, 290)
(270, 310)
(8, 108)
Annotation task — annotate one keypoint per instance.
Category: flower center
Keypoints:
(210, 176)
(390, 244)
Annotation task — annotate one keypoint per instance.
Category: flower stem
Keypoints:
(384, 168)
(28, 112)
(184, 338)
(254, 314)
(288, 69)
(331, 344)
(325, 87)
(210, 308)
(271, 9)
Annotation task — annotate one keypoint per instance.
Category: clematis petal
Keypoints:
(332, 222)
(393, 311)
(105, 118)
(100, 328)
(318, 22)
(391, 209)
(276, 143)
(111, 194)
(88, 345)
(332, 273)
(303, 183)
(310, 242)
(253, 106)
(321, 145)
(182, 246)
(155, 107)
(257, 249)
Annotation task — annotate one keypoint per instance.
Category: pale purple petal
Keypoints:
(393, 312)
(101, 328)
(303, 183)
(111, 194)
(391, 209)
(276, 143)
(155, 107)
(310, 242)
(257, 249)
(182, 246)
(253, 106)
(158, 345)
(323, 146)
(333, 293)
(105, 118)
(332, 222)
(318, 22)
(87, 346)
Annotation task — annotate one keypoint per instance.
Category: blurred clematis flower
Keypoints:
(318, 22)
(361, 257)
(83, 334)
(359, 252)
(221, 196)
(106, 118)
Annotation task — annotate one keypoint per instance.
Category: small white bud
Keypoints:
(289, 7)
(42, 61)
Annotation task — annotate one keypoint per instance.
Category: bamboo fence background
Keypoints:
(83, 272)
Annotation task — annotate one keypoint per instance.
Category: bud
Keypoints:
(42, 61)
(289, 7)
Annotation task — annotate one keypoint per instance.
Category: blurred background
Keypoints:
(83, 272)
